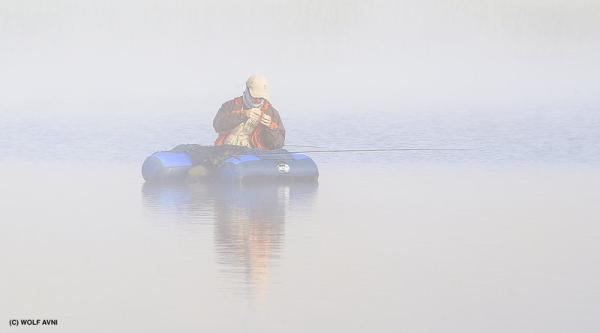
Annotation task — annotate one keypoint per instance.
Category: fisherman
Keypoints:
(250, 120)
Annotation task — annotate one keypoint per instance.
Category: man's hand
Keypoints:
(266, 120)
(253, 114)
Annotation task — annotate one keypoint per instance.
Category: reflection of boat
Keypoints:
(189, 198)
(229, 163)
(249, 220)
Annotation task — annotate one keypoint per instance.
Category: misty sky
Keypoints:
(320, 55)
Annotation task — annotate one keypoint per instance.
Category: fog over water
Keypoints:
(502, 237)
(320, 55)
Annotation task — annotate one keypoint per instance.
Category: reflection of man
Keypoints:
(250, 120)
(249, 229)
(249, 221)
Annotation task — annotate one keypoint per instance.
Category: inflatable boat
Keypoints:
(228, 164)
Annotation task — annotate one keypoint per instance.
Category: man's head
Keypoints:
(257, 85)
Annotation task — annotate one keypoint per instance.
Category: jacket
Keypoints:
(231, 114)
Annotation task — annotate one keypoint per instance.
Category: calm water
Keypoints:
(501, 238)
(495, 136)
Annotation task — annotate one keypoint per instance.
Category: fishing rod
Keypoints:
(365, 150)
(375, 150)
(305, 146)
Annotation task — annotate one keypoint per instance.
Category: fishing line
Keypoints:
(375, 150)
(305, 146)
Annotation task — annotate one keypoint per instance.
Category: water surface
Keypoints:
(415, 242)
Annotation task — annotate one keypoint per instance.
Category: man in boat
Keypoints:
(250, 120)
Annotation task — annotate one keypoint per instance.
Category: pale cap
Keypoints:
(257, 85)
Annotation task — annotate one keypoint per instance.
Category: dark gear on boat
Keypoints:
(209, 156)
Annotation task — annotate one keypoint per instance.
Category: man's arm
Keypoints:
(226, 118)
(273, 135)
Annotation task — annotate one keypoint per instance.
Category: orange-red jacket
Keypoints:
(231, 114)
